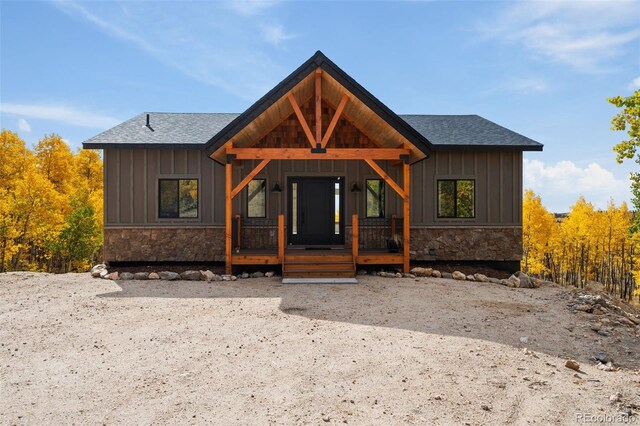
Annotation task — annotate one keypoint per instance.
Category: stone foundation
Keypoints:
(467, 243)
(164, 244)
(207, 244)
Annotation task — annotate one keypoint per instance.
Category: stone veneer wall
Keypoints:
(164, 244)
(202, 244)
(467, 243)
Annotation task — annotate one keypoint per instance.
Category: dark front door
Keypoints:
(316, 211)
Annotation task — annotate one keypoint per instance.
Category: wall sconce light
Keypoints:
(276, 188)
(355, 187)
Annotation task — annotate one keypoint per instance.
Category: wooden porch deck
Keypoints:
(271, 257)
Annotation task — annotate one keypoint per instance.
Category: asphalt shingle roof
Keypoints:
(194, 130)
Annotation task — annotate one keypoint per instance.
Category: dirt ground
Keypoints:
(77, 350)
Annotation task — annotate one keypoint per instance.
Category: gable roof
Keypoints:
(318, 60)
(194, 130)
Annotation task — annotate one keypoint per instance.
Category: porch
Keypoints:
(264, 242)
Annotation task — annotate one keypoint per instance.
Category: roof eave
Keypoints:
(90, 145)
(488, 147)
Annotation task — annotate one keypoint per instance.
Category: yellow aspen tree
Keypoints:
(538, 226)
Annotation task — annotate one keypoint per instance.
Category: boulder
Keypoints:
(512, 282)
(471, 278)
(154, 276)
(269, 274)
(398, 275)
(447, 275)
(524, 280)
(457, 275)
(481, 278)
(257, 274)
(168, 275)
(104, 273)
(208, 275)
(436, 274)
(495, 280)
(95, 271)
(126, 276)
(141, 276)
(191, 275)
(112, 276)
(422, 272)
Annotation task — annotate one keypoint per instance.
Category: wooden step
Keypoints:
(296, 273)
(339, 257)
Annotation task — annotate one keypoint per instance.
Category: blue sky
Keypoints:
(543, 69)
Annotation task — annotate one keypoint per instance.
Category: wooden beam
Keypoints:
(306, 154)
(301, 119)
(227, 216)
(238, 232)
(249, 177)
(318, 105)
(334, 120)
(386, 177)
(406, 223)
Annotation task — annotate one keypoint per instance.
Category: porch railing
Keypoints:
(255, 234)
(375, 233)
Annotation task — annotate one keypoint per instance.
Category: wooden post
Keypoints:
(227, 215)
(281, 239)
(354, 236)
(238, 234)
(406, 222)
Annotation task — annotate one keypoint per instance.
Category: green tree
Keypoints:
(80, 237)
(629, 120)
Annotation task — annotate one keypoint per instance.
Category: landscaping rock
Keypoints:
(422, 272)
(457, 275)
(269, 274)
(244, 275)
(495, 280)
(126, 276)
(191, 275)
(208, 275)
(168, 275)
(572, 364)
(217, 277)
(104, 273)
(512, 281)
(398, 275)
(154, 276)
(227, 277)
(436, 274)
(256, 274)
(447, 275)
(407, 275)
(481, 278)
(141, 276)
(525, 280)
(471, 278)
(112, 276)
(95, 271)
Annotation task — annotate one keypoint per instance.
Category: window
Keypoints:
(178, 198)
(375, 197)
(257, 198)
(456, 198)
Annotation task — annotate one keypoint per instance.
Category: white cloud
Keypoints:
(526, 86)
(586, 35)
(212, 42)
(562, 183)
(24, 125)
(275, 34)
(60, 113)
(635, 83)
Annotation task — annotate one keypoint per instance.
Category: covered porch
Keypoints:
(308, 149)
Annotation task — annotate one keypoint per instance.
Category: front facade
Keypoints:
(364, 186)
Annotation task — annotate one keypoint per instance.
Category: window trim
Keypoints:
(384, 196)
(178, 179)
(455, 199)
(266, 199)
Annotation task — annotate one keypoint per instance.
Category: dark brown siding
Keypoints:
(131, 185)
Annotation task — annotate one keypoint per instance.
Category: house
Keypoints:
(317, 176)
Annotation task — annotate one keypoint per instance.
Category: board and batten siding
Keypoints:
(131, 186)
